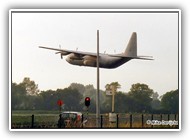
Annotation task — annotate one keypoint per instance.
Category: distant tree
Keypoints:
(141, 98)
(90, 91)
(155, 96)
(30, 86)
(47, 100)
(106, 105)
(113, 86)
(170, 102)
(71, 98)
(121, 103)
(79, 87)
(86, 91)
(18, 95)
(156, 104)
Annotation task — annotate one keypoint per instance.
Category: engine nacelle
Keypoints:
(89, 63)
(89, 60)
(74, 59)
(86, 60)
(88, 57)
(74, 56)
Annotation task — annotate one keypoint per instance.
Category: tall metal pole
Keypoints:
(97, 92)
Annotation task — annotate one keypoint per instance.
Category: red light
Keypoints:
(87, 101)
(60, 102)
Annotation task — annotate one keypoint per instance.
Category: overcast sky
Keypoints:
(157, 36)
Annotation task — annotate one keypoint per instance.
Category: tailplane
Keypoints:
(131, 50)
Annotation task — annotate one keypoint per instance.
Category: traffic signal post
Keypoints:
(87, 104)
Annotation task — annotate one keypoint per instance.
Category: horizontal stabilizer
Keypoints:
(143, 58)
(131, 57)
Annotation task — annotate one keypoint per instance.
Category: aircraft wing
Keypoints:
(66, 52)
(135, 57)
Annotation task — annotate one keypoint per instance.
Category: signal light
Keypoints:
(87, 101)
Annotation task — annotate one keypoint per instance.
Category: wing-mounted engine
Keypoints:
(75, 56)
(89, 60)
(75, 59)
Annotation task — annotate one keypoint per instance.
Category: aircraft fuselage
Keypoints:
(105, 61)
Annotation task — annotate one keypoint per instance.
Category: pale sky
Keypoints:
(157, 36)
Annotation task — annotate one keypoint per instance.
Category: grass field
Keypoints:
(49, 119)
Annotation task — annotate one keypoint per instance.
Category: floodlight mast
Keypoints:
(97, 91)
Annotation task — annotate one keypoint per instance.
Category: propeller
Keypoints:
(60, 52)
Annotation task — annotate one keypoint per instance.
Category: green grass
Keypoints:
(23, 118)
(26, 112)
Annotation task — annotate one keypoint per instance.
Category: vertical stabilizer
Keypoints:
(131, 49)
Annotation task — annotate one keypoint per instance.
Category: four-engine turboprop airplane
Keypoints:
(108, 61)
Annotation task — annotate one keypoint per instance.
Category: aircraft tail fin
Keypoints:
(131, 50)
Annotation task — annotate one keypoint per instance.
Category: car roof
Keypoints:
(74, 112)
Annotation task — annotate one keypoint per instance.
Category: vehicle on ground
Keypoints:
(70, 119)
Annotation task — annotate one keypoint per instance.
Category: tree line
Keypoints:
(140, 99)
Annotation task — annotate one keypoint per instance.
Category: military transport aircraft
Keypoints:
(108, 61)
